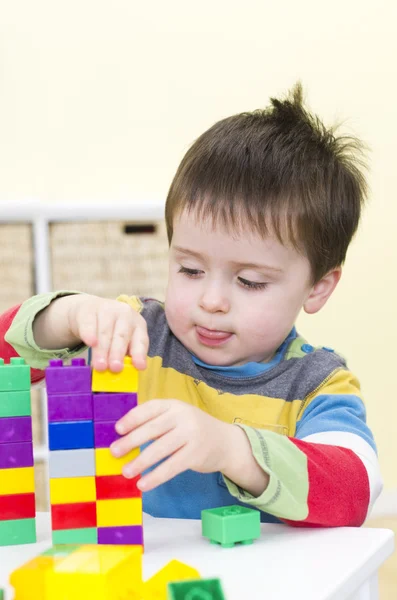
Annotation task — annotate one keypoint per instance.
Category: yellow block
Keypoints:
(29, 580)
(110, 513)
(16, 481)
(156, 587)
(100, 572)
(107, 464)
(125, 381)
(67, 490)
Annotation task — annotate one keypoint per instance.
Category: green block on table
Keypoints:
(1, 594)
(229, 525)
(15, 404)
(14, 377)
(17, 531)
(86, 535)
(199, 589)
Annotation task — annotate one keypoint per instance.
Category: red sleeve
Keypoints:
(339, 491)
(6, 350)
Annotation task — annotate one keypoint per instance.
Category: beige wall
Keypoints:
(99, 100)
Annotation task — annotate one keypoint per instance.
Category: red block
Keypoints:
(116, 486)
(17, 506)
(73, 516)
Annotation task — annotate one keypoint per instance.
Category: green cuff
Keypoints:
(288, 488)
(20, 334)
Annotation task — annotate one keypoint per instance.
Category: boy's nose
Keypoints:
(213, 301)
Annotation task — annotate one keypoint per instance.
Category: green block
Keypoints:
(15, 404)
(199, 589)
(17, 531)
(87, 535)
(229, 525)
(60, 551)
(14, 377)
(1, 594)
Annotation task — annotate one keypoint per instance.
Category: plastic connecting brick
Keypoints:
(72, 379)
(229, 525)
(156, 586)
(14, 377)
(17, 500)
(204, 589)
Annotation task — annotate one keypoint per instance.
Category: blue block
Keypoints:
(71, 435)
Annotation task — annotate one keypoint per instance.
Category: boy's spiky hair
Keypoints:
(278, 169)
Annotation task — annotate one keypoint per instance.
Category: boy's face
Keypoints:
(232, 298)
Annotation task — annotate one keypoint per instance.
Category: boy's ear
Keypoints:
(321, 291)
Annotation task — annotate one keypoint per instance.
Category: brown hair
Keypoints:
(281, 169)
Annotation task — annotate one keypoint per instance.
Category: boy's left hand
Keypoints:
(185, 436)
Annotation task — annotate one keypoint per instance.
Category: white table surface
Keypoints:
(304, 564)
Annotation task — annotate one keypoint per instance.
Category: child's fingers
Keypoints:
(88, 329)
(151, 430)
(140, 415)
(100, 355)
(139, 346)
(159, 450)
(119, 344)
(166, 470)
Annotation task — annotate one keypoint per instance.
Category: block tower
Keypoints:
(91, 501)
(17, 499)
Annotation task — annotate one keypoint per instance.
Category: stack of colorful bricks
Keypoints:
(91, 501)
(17, 500)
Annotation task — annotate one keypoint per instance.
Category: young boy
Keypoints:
(236, 405)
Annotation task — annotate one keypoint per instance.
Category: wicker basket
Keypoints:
(16, 264)
(110, 258)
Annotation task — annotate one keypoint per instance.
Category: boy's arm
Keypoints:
(18, 339)
(328, 474)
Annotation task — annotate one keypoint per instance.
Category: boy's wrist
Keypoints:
(239, 464)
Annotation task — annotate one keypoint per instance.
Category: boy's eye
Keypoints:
(252, 285)
(189, 272)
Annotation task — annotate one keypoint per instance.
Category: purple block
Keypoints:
(70, 407)
(105, 434)
(15, 429)
(111, 407)
(16, 455)
(128, 534)
(65, 379)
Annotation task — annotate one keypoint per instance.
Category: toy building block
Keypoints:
(17, 531)
(78, 515)
(111, 407)
(125, 534)
(1, 594)
(72, 489)
(17, 506)
(111, 487)
(13, 456)
(105, 434)
(204, 589)
(82, 573)
(229, 525)
(156, 586)
(125, 381)
(72, 463)
(15, 429)
(68, 379)
(14, 377)
(126, 511)
(84, 535)
(16, 481)
(107, 464)
(15, 404)
(71, 435)
(70, 407)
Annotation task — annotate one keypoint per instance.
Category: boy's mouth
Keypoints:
(212, 337)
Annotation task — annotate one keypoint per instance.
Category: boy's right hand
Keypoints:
(111, 328)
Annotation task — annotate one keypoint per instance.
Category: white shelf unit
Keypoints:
(40, 216)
